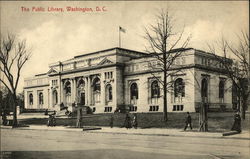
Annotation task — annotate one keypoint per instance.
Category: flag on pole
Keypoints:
(122, 29)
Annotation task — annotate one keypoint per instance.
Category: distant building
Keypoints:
(121, 78)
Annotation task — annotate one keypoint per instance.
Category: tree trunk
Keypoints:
(14, 111)
(206, 117)
(165, 101)
(239, 103)
(203, 118)
(165, 87)
(243, 108)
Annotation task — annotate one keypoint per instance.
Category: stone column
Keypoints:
(102, 97)
(86, 90)
(49, 97)
(75, 90)
(72, 81)
(61, 93)
(89, 90)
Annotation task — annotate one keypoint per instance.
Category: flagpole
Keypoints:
(119, 37)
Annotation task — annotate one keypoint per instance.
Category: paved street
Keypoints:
(18, 143)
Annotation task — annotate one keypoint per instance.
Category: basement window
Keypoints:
(154, 108)
(133, 108)
(107, 109)
(178, 107)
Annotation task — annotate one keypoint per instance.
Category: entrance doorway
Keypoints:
(82, 98)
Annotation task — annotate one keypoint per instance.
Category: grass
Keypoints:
(217, 121)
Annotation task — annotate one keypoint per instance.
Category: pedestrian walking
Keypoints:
(188, 121)
(135, 123)
(237, 123)
(111, 121)
(127, 122)
(51, 120)
(46, 112)
(4, 117)
(79, 118)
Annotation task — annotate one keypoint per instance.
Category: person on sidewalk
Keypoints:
(135, 124)
(4, 117)
(127, 122)
(237, 123)
(188, 121)
(51, 120)
(111, 120)
(79, 118)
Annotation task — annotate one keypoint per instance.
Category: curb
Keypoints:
(92, 130)
(174, 135)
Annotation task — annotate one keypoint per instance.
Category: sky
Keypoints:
(57, 36)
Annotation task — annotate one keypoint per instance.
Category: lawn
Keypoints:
(217, 121)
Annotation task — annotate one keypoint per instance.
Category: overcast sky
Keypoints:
(58, 36)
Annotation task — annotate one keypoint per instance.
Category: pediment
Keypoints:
(105, 61)
(52, 71)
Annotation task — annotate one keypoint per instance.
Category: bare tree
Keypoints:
(163, 40)
(239, 69)
(13, 56)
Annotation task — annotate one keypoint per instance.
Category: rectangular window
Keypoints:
(178, 107)
(108, 75)
(108, 109)
(154, 108)
(157, 108)
(174, 108)
(54, 82)
(133, 108)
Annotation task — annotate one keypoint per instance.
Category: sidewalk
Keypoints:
(171, 132)
(245, 135)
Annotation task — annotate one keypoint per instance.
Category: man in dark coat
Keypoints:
(237, 123)
(127, 122)
(188, 121)
(111, 121)
(4, 117)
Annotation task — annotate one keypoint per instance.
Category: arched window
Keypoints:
(81, 85)
(204, 88)
(179, 88)
(221, 89)
(155, 90)
(96, 85)
(55, 97)
(133, 91)
(109, 95)
(96, 90)
(31, 99)
(67, 87)
(81, 92)
(41, 98)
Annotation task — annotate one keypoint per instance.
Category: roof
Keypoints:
(171, 51)
(118, 48)
(40, 74)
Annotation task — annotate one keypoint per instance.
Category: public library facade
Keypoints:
(120, 78)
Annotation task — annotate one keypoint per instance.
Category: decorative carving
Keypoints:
(52, 71)
(105, 61)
